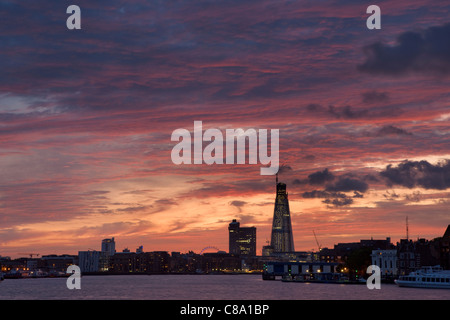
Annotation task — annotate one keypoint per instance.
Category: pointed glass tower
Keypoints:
(282, 238)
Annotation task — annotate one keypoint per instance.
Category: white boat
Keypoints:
(428, 277)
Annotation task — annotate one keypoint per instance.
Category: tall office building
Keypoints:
(109, 246)
(242, 241)
(282, 238)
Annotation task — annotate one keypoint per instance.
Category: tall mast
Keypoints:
(407, 229)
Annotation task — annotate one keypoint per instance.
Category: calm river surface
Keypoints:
(203, 287)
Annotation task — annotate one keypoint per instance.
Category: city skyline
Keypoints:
(108, 245)
(86, 118)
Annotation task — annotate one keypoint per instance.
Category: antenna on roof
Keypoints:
(407, 229)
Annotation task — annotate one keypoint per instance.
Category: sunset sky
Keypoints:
(86, 118)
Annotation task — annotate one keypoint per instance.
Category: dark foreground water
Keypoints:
(203, 287)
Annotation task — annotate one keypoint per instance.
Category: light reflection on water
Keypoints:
(205, 287)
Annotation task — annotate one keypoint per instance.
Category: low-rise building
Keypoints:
(387, 261)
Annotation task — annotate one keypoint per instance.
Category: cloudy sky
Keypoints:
(86, 118)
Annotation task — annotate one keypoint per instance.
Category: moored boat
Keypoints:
(428, 277)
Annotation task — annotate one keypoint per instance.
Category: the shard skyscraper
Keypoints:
(282, 239)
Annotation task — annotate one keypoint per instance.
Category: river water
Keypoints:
(203, 287)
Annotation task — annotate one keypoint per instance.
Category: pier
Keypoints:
(297, 270)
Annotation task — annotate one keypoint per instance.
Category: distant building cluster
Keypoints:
(394, 260)
(352, 258)
(108, 261)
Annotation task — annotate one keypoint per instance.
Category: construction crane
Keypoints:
(318, 245)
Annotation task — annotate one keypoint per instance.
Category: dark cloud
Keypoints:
(336, 199)
(314, 107)
(427, 52)
(95, 193)
(391, 130)
(338, 202)
(356, 194)
(165, 202)
(391, 195)
(413, 174)
(323, 194)
(413, 197)
(299, 181)
(352, 113)
(370, 178)
(335, 188)
(375, 97)
(320, 177)
(309, 157)
(238, 203)
(347, 112)
(134, 208)
(316, 178)
(345, 184)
